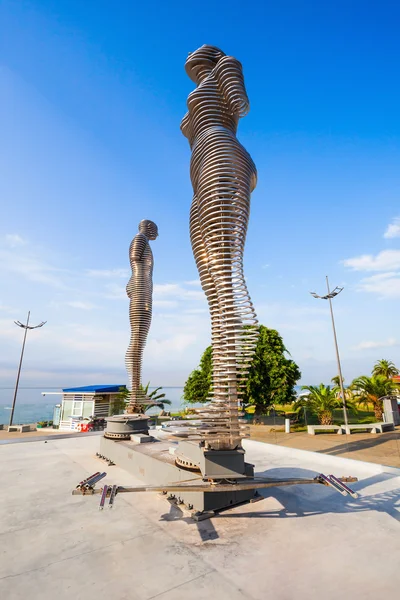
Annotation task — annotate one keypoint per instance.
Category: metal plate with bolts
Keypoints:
(216, 487)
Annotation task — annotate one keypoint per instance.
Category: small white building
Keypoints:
(86, 402)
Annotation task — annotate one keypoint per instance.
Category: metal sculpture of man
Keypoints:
(140, 292)
(223, 176)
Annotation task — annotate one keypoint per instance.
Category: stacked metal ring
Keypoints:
(223, 176)
(140, 292)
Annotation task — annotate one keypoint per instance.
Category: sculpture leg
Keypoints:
(223, 211)
(207, 283)
(140, 325)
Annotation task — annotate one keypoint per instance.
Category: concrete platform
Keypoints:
(153, 464)
(299, 542)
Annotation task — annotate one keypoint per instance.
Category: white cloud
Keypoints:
(108, 273)
(368, 345)
(387, 285)
(31, 268)
(194, 295)
(287, 317)
(167, 295)
(265, 266)
(6, 309)
(177, 338)
(81, 305)
(165, 303)
(176, 291)
(393, 229)
(81, 350)
(195, 282)
(9, 330)
(13, 240)
(115, 292)
(166, 289)
(293, 311)
(387, 260)
(171, 347)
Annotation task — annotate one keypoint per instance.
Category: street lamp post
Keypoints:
(25, 326)
(329, 297)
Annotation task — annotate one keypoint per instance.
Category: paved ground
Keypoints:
(377, 448)
(381, 448)
(300, 542)
(39, 433)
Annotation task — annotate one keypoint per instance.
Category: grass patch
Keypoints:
(365, 414)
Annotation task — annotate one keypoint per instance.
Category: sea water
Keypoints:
(31, 406)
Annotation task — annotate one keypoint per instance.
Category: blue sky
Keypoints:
(91, 97)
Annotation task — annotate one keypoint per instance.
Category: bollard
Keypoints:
(287, 425)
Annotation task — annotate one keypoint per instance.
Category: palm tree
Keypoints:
(336, 387)
(155, 399)
(387, 368)
(152, 399)
(371, 390)
(322, 401)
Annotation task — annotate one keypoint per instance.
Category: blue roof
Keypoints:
(101, 389)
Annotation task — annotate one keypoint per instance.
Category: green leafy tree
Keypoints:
(371, 390)
(271, 379)
(272, 376)
(198, 385)
(153, 399)
(322, 401)
(119, 404)
(386, 368)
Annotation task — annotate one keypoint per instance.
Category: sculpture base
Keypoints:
(212, 464)
(155, 464)
(121, 427)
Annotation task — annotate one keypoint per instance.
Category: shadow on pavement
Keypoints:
(353, 446)
(313, 500)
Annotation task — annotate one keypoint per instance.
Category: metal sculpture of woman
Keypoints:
(140, 292)
(223, 176)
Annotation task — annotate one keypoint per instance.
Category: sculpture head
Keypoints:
(200, 62)
(149, 229)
